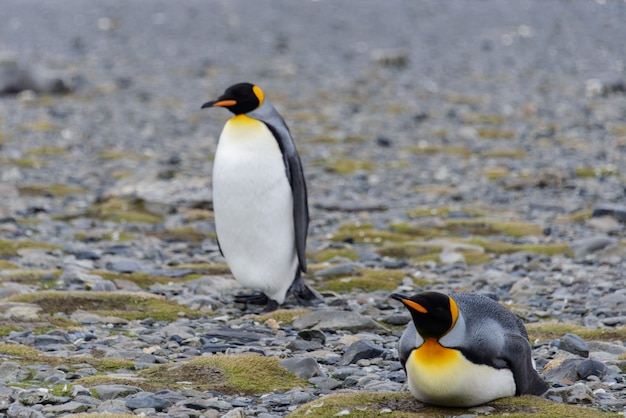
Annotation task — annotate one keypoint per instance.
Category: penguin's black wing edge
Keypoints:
(295, 175)
(517, 352)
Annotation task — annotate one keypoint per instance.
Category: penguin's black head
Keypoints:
(433, 313)
(239, 98)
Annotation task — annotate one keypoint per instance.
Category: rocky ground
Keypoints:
(467, 146)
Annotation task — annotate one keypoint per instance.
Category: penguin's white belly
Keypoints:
(449, 379)
(253, 206)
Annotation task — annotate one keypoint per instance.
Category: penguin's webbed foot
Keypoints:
(271, 306)
(253, 298)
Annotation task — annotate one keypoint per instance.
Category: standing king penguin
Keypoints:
(260, 199)
(464, 350)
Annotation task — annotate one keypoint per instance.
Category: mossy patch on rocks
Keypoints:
(190, 235)
(592, 172)
(229, 374)
(11, 248)
(7, 265)
(117, 210)
(126, 305)
(464, 227)
(49, 190)
(43, 279)
(500, 247)
(283, 316)
(366, 233)
(366, 280)
(39, 126)
(402, 405)
(347, 166)
(497, 133)
(545, 331)
(47, 151)
(330, 253)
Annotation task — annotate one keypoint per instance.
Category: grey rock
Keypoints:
(106, 392)
(19, 311)
(235, 413)
(565, 373)
(303, 367)
(327, 320)
(67, 408)
(574, 344)
(586, 246)
(579, 394)
(19, 411)
(147, 400)
(126, 266)
(616, 211)
(339, 270)
(325, 383)
(363, 349)
(11, 372)
(589, 367)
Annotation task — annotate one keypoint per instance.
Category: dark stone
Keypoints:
(363, 349)
(143, 400)
(574, 344)
(616, 211)
(312, 334)
(589, 367)
(396, 319)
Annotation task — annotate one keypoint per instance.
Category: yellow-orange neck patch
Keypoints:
(259, 94)
(431, 353)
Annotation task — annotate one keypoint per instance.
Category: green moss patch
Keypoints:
(495, 133)
(181, 235)
(499, 247)
(283, 316)
(330, 253)
(592, 172)
(40, 126)
(118, 210)
(347, 166)
(47, 151)
(7, 265)
(50, 190)
(11, 248)
(544, 331)
(367, 280)
(230, 374)
(365, 233)
(403, 405)
(124, 305)
(460, 151)
(491, 227)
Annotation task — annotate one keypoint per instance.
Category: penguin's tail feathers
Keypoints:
(304, 294)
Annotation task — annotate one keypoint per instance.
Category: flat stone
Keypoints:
(363, 349)
(589, 367)
(146, 400)
(71, 407)
(327, 320)
(616, 211)
(574, 344)
(303, 367)
(106, 392)
(19, 311)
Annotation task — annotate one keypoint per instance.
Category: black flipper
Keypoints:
(517, 353)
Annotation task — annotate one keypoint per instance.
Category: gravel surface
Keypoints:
(472, 146)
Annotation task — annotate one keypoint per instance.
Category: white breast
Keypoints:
(253, 207)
